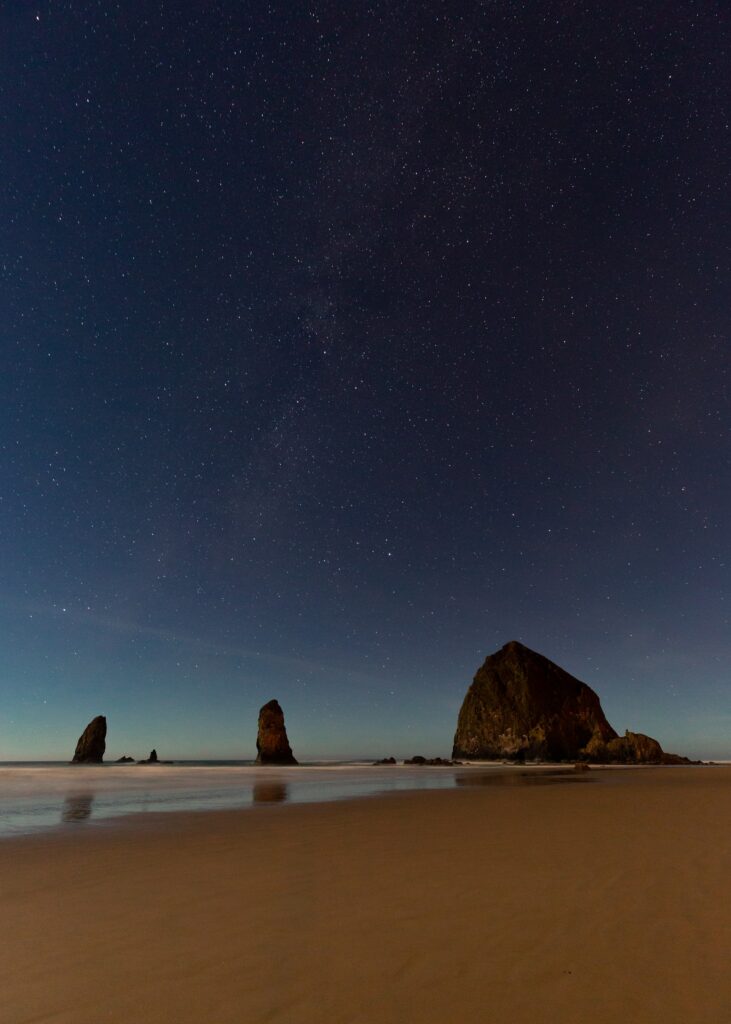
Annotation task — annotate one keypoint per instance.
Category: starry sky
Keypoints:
(343, 343)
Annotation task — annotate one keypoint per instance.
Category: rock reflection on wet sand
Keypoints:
(526, 778)
(78, 807)
(269, 793)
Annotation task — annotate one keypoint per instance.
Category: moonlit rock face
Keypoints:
(523, 706)
(272, 745)
(92, 742)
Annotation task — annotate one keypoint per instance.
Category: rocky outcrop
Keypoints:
(92, 742)
(153, 759)
(272, 745)
(521, 706)
(125, 759)
(431, 761)
(632, 748)
(386, 760)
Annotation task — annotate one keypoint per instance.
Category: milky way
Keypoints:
(343, 345)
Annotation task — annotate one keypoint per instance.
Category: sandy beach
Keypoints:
(601, 901)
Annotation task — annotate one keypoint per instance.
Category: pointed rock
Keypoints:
(92, 742)
(272, 745)
(521, 706)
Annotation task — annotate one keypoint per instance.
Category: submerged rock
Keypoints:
(92, 742)
(272, 745)
(440, 761)
(522, 707)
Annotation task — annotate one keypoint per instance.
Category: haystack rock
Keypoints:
(92, 742)
(521, 706)
(272, 745)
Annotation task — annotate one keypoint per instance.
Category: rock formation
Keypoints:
(153, 759)
(272, 745)
(521, 706)
(431, 761)
(125, 759)
(92, 742)
(632, 748)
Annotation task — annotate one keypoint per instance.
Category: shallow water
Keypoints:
(37, 798)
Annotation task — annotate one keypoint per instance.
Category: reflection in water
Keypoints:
(538, 778)
(77, 808)
(269, 792)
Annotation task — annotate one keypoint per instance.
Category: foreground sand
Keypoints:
(599, 902)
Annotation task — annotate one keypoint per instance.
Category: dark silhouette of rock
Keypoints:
(92, 742)
(386, 760)
(440, 761)
(125, 759)
(677, 759)
(521, 706)
(153, 759)
(272, 745)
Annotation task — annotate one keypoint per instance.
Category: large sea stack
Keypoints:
(521, 706)
(92, 742)
(272, 745)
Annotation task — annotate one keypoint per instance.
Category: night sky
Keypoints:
(342, 344)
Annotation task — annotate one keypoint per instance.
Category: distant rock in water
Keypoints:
(272, 745)
(92, 742)
(125, 759)
(153, 759)
(386, 760)
(521, 706)
(431, 761)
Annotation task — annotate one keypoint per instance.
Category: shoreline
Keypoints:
(48, 801)
(530, 903)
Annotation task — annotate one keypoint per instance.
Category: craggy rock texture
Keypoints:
(523, 707)
(272, 745)
(632, 748)
(92, 742)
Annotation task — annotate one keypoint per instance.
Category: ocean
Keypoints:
(42, 796)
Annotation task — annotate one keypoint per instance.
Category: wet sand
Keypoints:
(550, 904)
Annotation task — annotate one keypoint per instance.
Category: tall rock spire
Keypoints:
(272, 745)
